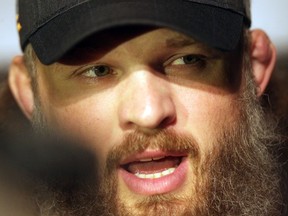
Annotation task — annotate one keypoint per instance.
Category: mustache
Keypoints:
(167, 140)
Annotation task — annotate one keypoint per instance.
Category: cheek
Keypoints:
(205, 115)
(87, 119)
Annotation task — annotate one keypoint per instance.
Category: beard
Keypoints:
(239, 176)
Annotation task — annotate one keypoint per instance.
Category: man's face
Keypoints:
(156, 80)
(158, 109)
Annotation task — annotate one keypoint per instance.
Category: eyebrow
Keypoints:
(180, 42)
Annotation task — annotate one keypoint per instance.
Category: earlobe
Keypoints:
(20, 85)
(263, 54)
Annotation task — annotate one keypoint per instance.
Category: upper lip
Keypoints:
(151, 154)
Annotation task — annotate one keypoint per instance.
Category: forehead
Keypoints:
(140, 37)
(116, 36)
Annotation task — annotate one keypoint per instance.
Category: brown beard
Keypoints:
(238, 177)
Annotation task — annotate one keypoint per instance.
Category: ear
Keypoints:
(263, 55)
(20, 85)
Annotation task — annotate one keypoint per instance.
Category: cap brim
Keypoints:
(217, 27)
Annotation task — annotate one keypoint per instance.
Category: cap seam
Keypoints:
(240, 10)
(45, 20)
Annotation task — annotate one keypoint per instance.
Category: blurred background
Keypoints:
(269, 15)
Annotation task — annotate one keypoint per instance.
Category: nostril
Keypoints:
(168, 121)
(155, 121)
(153, 116)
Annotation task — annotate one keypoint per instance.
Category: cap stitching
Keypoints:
(43, 21)
(236, 8)
(61, 10)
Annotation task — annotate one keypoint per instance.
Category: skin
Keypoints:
(148, 87)
(156, 100)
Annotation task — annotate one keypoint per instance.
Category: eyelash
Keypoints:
(197, 60)
(106, 70)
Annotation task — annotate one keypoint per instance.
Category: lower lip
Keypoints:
(165, 184)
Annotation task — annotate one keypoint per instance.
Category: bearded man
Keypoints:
(164, 93)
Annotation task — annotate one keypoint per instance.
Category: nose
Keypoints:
(146, 102)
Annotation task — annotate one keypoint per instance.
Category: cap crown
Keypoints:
(32, 14)
(53, 27)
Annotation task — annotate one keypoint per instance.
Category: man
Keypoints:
(166, 96)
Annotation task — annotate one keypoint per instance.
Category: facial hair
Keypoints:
(238, 177)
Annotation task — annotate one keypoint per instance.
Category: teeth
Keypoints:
(155, 175)
(151, 159)
(168, 171)
(146, 160)
(158, 158)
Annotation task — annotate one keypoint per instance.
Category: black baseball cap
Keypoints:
(53, 27)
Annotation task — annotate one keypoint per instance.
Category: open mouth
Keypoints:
(153, 168)
(154, 172)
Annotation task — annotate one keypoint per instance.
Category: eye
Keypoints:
(97, 71)
(189, 60)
